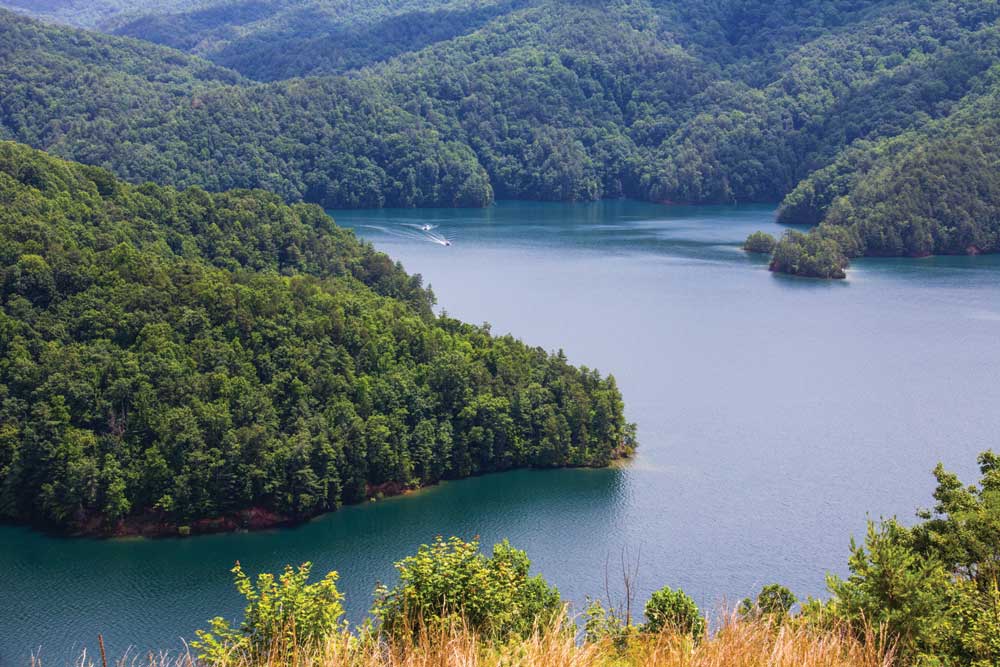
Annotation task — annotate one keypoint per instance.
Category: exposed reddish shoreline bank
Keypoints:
(157, 524)
(154, 524)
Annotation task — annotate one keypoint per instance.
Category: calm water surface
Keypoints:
(773, 413)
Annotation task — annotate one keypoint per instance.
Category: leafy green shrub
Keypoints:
(674, 610)
(978, 613)
(604, 623)
(893, 585)
(451, 580)
(934, 587)
(760, 242)
(282, 616)
(774, 600)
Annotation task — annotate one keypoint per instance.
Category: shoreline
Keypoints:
(253, 519)
(155, 525)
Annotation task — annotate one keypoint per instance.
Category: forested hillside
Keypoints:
(279, 40)
(182, 355)
(931, 191)
(630, 110)
(98, 13)
(455, 102)
(151, 113)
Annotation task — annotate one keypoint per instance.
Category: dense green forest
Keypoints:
(97, 13)
(152, 113)
(455, 102)
(189, 355)
(279, 40)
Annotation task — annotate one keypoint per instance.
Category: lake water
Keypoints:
(774, 414)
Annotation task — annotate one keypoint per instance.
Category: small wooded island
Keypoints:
(178, 361)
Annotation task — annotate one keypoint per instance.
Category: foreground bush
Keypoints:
(773, 600)
(933, 586)
(676, 611)
(282, 616)
(448, 582)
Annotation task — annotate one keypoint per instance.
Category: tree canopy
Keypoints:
(191, 355)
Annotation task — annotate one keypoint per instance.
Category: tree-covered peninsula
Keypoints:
(168, 357)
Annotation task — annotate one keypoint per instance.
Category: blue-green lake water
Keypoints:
(774, 414)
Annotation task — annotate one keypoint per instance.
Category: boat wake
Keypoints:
(438, 238)
(412, 232)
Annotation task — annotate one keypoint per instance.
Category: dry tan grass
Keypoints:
(738, 643)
